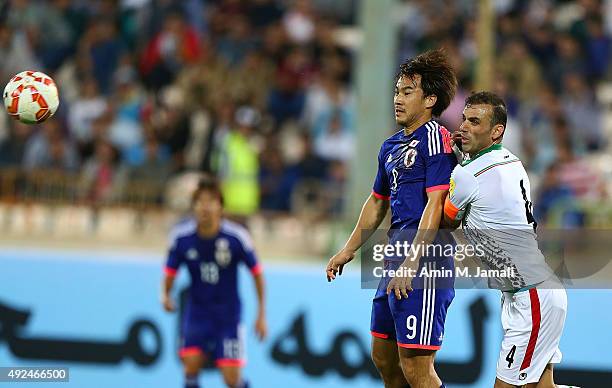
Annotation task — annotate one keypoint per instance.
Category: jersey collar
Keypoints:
(420, 130)
(493, 147)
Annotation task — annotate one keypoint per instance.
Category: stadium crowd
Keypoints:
(261, 93)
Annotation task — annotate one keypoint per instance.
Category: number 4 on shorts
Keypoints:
(510, 356)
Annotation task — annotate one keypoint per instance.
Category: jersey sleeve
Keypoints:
(247, 253)
(174, 259)
(463, 191)
(438, 170)
(381, 187)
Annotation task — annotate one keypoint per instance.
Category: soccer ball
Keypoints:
(31, 97)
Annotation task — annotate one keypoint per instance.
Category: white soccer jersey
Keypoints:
(491, 195)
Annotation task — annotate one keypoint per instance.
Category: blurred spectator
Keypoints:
(540, 40)
(299, 21)
(12, 147)
(598, 47)
(575, 172)
(167, 52)
(323, 96)
(171, 123)
(276, 180)
(16, 53)
(154, 169)
(570, 59)
(239, 167)
(336, 142)
(262, 13)
(51, 29)
(335, 186)
(49, 149)
(287, 99)
(105, 48)
(522, 72)
(69, 76)
(311, 166)
(126, 129)
(89, 105)
(101, 178)
(583, 112)
(237, 42)
(540, 121)
(556, 203)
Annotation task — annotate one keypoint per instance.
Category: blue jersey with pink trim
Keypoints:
(212, 264)
(409, 167)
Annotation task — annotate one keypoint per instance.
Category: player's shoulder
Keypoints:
(184, 228)
(489, 160)
(434, 139)
(463, 175)
(392, 140)
(237, 232)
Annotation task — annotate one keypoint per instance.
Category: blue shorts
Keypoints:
(416, 322)
(219, 338)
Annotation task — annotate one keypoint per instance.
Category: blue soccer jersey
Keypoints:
(212, 264)
(211, 320)
(410, 166)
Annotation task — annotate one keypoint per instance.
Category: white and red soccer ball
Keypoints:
(31, 97)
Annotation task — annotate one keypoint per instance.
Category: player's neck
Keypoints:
(416, 124)
(484, 150)
(209, 230)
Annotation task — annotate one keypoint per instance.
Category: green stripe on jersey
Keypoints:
(495, 165)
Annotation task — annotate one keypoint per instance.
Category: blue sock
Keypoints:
(191, 381)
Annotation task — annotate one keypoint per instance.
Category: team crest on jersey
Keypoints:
(523, 376)
(410, 157)
(192, 254)
(223, 256)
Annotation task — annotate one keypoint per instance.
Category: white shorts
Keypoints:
(533, 322)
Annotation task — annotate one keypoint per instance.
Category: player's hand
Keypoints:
(456, 146)
(337, 263)
(168, 303)
(261, 327)
(400, 286)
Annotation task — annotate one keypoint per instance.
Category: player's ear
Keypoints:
(498, 132)
(430, 101)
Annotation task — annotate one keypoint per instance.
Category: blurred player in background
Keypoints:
(490, 196)
(211, 248)
(414, 167)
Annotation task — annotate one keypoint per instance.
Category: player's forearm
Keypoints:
(372, 214)
(428, 229)
(261, 293)
(168, 284)
(430, 223)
